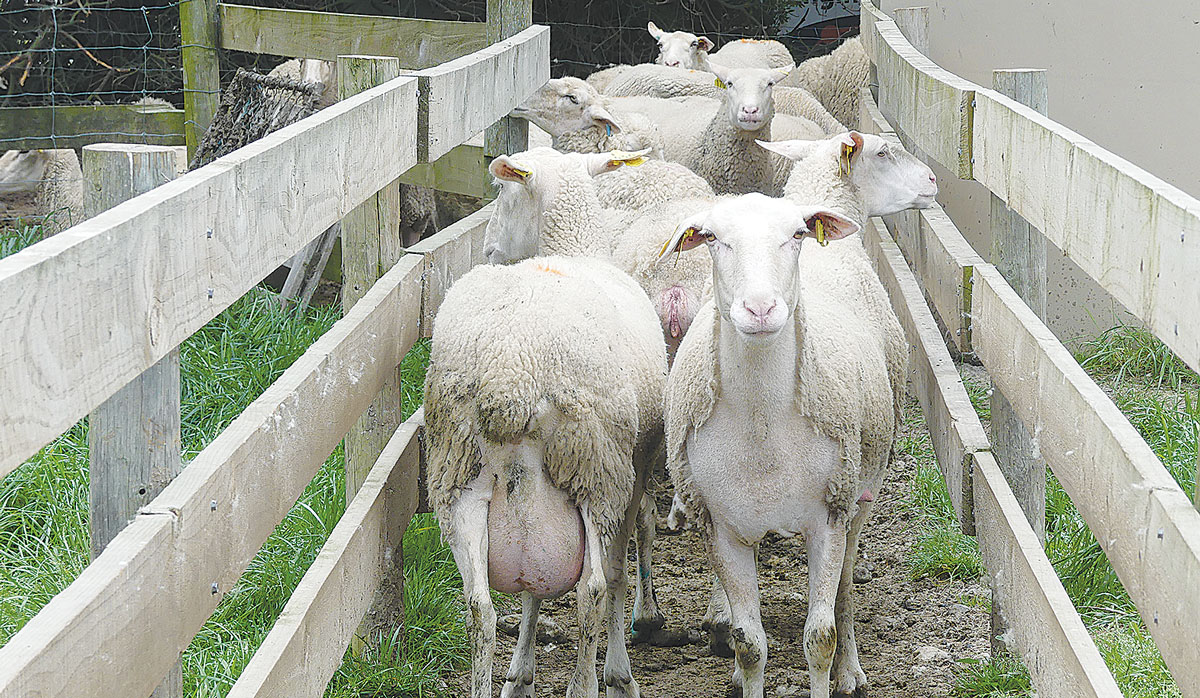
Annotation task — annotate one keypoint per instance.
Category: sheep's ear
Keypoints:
(851, 144)
(600, 116)
(689, 234)
(599, 163)
(722, 74)
(824, 225)
(792, 150)
(781, 73)
(503, 168)
(654, 30)
(704, 44)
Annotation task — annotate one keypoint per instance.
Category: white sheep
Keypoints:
(682, 49)
(548, 204)
(539, 448)
(311, 70)
(723, 152)
(654, 80)
(580, 120)
(836, 79)
(798, 101)
(782, 389)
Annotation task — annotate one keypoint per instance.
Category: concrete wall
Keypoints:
(1120, 73)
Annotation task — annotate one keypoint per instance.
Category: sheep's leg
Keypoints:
(677, 518)
(848, 676)
(618, 676)
(826, 557)
(647, 617)
(718, 620)
(590, 596)
(518, 683)
(469, 543)
(736, 568)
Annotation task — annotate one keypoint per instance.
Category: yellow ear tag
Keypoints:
(844, 161)
(622, 156)
(687, 236)
(719, 83)
(821, 233)
(522, 173)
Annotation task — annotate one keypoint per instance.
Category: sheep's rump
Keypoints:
(548, 334)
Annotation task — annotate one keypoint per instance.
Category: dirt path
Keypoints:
(910, 633)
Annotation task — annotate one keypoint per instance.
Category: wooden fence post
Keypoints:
(133, 437)
(370, 247)
(201, 80)
(505, 18)
(913, 22)
(1019, 253)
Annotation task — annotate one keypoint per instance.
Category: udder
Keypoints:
(535, 536)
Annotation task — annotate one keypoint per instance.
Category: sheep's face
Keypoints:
(538, 184)
(755, 243)
(888, 179)
(566, 105)
(680, 49)
(749, 101)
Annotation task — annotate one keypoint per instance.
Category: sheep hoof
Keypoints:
(719, 647)
(860, 692)
(733, 690)
(669, 637)
(645, 627)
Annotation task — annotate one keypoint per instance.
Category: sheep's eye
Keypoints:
(573, 98)
(770, 83)
(883, 153)
(695, 43)
(709, 237)
(799, 234)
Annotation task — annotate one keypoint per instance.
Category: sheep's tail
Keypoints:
(507, 398)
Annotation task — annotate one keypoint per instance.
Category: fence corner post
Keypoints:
(200, 38)
(1019, 254)
(134, 446)
(370, 247)
(504, 19)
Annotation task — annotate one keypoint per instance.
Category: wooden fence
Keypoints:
(87, 311)
(1137, 237)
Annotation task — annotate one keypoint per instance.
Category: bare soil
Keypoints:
(911, 633)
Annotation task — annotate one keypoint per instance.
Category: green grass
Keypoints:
(941, 551)
(18, 238)
(1158, 394)
(1002, 676)
(224, 366)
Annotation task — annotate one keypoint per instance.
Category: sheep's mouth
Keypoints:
(750, 123)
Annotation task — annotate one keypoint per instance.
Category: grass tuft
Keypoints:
(1002, 676)
(1125, 352)
(15, 239)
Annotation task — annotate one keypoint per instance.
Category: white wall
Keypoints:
(1124, 74)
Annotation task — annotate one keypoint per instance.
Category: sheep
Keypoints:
(539, 449)
(682, 49)
(723, 151)
(653, 80)
(579, 120)
(835, 79)
(783, 389)
(798, 101)
(311, 70)
(548, 205)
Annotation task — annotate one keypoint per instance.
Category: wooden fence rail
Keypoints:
(1136, 236)
(1133, 233)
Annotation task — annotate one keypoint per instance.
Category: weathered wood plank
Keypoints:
(86, 311)
(504, 19)
(463, 97)
(954, 428)
(200, 40)
(913, 23)
(169, 569)
(418, 43)
(306, 645)
(370, 246)
(448, 255)
(25, 128)
(1142, 519)
(462, 171)
(931, 106)
(1046, 629)
(1136, 235)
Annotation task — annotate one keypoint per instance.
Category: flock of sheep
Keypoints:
(768, 373)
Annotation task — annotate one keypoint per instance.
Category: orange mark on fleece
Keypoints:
(548, 269)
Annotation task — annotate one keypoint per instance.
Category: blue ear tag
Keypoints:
(608, 128)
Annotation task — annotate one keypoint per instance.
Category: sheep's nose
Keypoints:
(672, 64)
(759, 309)
(932, 178)
(749, 110)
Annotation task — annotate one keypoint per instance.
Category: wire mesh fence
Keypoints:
(71, 53)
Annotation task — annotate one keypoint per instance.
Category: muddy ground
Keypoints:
(910, 633)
